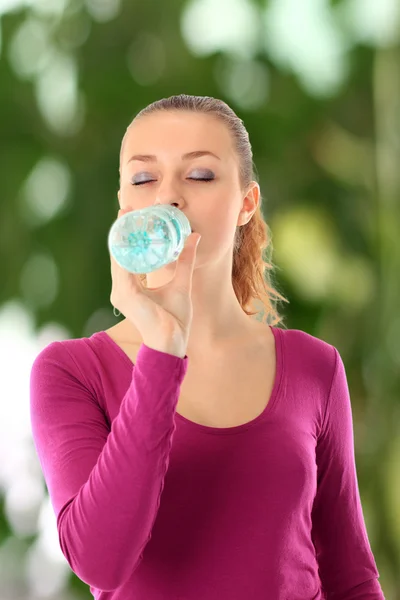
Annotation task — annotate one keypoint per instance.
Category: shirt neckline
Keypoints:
(277, 333)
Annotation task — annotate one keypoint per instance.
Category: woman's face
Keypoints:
(205, 188)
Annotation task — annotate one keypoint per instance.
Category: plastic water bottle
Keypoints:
(144, 240)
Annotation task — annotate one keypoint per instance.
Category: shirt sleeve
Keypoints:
(104, 485)
(346, 563)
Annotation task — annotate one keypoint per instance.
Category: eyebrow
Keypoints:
(152, 158)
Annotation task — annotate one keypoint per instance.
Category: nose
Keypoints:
(175, 203)
(169, 191)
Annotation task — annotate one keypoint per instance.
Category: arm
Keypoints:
(346, 563)
(105, 486)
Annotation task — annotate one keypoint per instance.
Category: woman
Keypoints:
(193, 451)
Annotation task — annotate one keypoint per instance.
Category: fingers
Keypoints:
(185, 264)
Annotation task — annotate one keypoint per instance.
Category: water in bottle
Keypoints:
(144, 240)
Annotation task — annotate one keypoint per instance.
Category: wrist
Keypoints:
(167, 348)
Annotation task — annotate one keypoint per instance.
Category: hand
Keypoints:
(162, 315)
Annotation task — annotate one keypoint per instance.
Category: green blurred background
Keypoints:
(317, 84)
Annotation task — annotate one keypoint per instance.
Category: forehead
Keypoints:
(171, 134)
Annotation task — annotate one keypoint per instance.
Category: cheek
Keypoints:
(220, 231)
(130, 197)
(221, 216)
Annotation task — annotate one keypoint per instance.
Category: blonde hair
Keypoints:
(252, 269)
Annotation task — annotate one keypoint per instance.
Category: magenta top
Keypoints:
(152, 506)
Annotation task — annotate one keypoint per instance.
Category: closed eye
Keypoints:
(193, 178)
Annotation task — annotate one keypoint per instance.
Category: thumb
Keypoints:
(185, 262)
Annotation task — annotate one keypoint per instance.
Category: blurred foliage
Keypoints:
(329, 173)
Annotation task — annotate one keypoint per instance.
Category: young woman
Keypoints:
(192, 451)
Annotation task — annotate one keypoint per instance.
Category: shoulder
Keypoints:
(68, 359)
(61, 350)
(309, 354)
(300, 340)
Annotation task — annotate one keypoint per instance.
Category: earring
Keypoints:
(114, 309)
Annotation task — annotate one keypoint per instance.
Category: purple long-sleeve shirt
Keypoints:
(151, 506)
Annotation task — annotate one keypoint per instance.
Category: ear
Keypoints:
(119, 197)
(250, 203)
